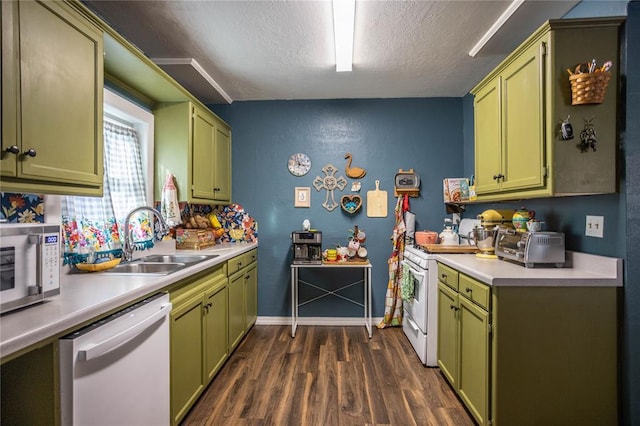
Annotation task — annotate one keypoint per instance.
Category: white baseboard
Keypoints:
(334, 321)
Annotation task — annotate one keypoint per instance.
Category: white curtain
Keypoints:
(92, 224)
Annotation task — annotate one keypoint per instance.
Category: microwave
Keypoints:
(29, 264)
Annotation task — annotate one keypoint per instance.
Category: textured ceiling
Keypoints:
(267, 50)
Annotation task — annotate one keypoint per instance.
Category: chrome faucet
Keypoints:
(127, 246)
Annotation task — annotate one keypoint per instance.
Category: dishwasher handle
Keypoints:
(98, 349)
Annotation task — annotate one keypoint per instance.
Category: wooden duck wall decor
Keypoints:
(353, 172)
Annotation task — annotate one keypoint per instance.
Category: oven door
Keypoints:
(416, 307)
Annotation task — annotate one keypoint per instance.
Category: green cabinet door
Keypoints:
(195, 146)
(473, 368)
(203, 161)
(187, 379)
(222, 161)
(523, 120)
(488, 140)
(251, 294)
(52, 66)
(216, 342)
(236, 309)
(448, 333)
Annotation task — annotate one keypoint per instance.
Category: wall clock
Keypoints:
(299, 164)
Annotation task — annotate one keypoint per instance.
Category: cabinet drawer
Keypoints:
(235, 264)
(474, 291)
(250, 257)
(448, 276)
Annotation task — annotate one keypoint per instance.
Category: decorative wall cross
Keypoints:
(329, 183)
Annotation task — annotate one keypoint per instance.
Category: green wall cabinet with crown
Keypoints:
(52, 83)
(520, 105)
(195, 146)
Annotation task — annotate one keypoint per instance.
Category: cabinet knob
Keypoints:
(13, 149)
(30, 152)
(454, 307)
(468, 290)
(443, 276)
(498, 176)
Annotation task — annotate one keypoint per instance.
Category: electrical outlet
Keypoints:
(594, 226)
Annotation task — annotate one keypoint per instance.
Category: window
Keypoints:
(95, 225)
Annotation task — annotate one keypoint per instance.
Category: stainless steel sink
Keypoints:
(177, 258)
(159, 264)
(146, 268)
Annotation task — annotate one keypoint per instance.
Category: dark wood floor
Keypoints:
(327, 376)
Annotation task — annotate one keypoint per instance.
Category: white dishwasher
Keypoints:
(116, 370)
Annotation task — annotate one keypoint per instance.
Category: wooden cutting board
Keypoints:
(439, 248)
(377, 202)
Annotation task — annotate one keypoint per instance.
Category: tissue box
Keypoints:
(455, 189)
(195, 239)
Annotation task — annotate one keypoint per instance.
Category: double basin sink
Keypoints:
(159, 264)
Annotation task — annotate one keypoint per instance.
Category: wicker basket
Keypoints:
(589, 88)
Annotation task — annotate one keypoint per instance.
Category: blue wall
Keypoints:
(435, 137)
(631, 311)
(383, 136)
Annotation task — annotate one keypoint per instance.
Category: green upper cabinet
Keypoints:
(52, 82)
(203, 170)
(518, 109)
(488, 143)
(195, 146)
(222, 171)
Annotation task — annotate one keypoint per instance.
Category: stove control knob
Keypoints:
(520, 255)
(521, 244)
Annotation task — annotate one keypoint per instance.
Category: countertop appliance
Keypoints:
(307, 247)
(420, 322)
(531, 248)
(29, 264)
(490, 218)
(116, 371)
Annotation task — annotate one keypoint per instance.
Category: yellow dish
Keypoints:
(97, 267)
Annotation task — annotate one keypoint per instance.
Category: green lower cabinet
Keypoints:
(216, 308)
(187, 381)
(463, 344)
(520, 355)
(251, 295)
(236, 309)
(198, 333)
(243, 295)
(473, 368)
(448, 333)
(30, 389)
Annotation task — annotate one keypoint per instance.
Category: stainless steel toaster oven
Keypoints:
(531, 248)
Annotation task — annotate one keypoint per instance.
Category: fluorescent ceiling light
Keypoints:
(344, 12)
(515, 4)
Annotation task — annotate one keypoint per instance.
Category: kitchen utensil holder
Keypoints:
(589, 88)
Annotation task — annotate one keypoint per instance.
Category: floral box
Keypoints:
(195, 239)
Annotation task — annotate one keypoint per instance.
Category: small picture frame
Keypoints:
(302, 196)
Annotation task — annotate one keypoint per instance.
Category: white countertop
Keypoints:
(84, 296)
(581, 270)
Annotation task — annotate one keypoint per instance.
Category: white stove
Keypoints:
(420, 323)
